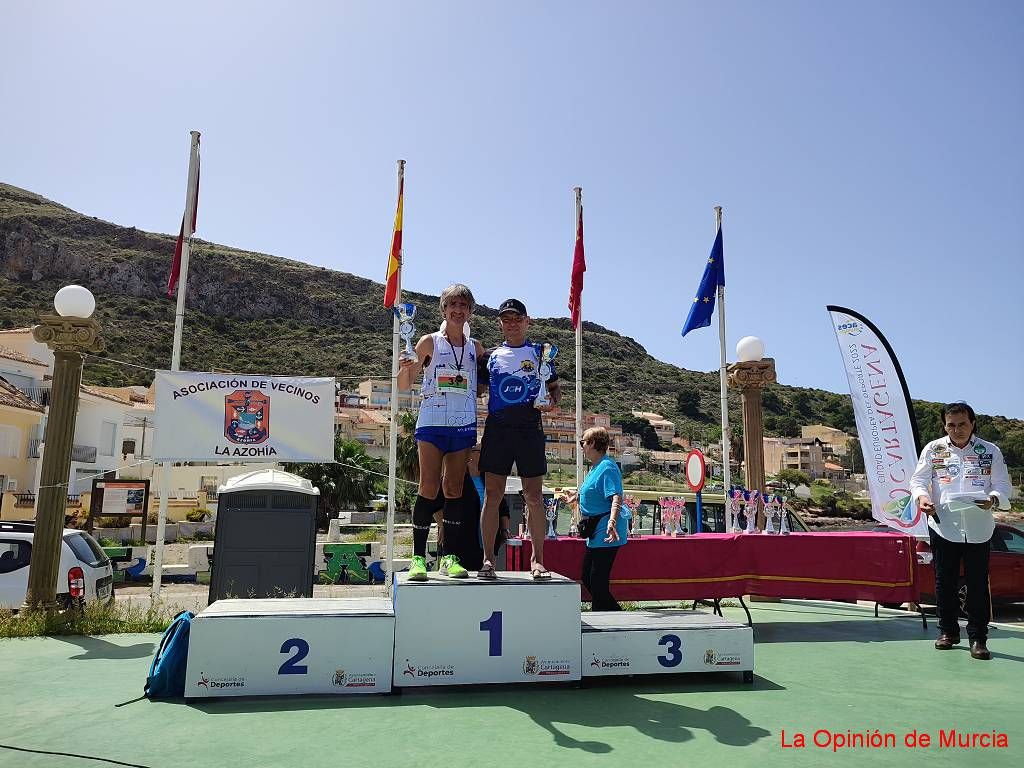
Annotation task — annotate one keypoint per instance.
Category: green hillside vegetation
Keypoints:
(256, 313)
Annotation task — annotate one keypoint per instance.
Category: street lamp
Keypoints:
(750, 374)
(69, 333)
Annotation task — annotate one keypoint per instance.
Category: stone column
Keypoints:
(68, 337)
(749, 378)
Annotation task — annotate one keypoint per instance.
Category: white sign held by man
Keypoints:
(227, 417)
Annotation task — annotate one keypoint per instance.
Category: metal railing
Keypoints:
(25, 500)
(38, 395)
(84, 453)
(74, 500)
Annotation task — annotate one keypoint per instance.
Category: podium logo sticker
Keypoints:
(220, 682)
(714, 659)
(611, 662)
(546, 667)
(355, 679)
(429, 671)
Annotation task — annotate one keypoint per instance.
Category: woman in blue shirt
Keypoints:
(601, 496)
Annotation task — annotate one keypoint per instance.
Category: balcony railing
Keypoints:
(28, 500)
(85, 454)
(38, 395)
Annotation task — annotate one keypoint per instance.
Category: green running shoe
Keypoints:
(418, 569)
(451, 568)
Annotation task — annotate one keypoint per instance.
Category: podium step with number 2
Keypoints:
(511, 630)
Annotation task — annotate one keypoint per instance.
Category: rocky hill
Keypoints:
(252, 312)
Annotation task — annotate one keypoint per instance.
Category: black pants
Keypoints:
(947, 555)
(597, 572)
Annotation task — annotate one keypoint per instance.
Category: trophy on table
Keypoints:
(545, 355)
(784, 522)
(735, 499)
(406, 329)
(551, 514)
(770, 509)
(750, 511)
(633, 505)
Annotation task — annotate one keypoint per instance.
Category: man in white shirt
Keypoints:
(959, 480)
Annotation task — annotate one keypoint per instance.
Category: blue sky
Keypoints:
(866, 154)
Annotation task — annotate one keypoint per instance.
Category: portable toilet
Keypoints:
(265, 540)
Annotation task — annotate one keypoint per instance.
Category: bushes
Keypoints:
(198, 515)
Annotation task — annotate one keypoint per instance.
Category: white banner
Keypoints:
(213, 416)
(885, 424)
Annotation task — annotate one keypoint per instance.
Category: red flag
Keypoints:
(172, 280)
(395, 257)
(579, 266)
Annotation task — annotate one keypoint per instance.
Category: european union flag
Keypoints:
(703, 305)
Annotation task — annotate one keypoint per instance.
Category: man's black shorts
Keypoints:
(502, 445)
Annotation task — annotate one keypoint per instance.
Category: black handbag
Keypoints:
(587, 525)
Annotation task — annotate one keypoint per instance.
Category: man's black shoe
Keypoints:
(946, 641)
(980, 651)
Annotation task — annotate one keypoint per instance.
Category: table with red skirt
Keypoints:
(861, 565)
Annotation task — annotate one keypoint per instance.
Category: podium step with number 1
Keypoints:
(510, 630)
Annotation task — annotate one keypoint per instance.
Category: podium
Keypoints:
(470, 631)
(660, 642)
(291, 646)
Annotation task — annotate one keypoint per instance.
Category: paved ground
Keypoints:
(819, 666)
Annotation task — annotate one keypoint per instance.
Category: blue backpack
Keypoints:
(166, 678)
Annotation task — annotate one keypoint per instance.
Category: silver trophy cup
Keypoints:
(545, 354)
(750, 511)
(551, 514)
(406, 329)
(783, 522)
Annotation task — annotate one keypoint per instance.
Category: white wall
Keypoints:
(92, 412)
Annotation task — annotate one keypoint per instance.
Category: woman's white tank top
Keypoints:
(449, 385)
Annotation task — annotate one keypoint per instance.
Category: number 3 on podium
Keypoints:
(674, 655)
(492, 626)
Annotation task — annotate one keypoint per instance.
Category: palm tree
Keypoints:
(408, 460)
(347, 481)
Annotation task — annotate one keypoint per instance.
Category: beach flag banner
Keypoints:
(885, 419)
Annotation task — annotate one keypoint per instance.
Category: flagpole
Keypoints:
(722, 372)
(179, 322)
(579, 359)
(393, 431)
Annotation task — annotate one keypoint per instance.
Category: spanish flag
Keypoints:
(395, 257)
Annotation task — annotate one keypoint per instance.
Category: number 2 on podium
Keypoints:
(292, 666)
(492, 626)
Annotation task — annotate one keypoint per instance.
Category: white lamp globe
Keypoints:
(749, 349)
(74, 301)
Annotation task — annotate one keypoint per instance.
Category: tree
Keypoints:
(634, 425)
(801, 402)
(688, 401)
(793, 478)
(408, 458)
(350, 480)
(856, 456)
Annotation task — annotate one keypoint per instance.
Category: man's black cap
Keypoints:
(512, 305)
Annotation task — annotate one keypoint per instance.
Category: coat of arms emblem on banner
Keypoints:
(247, 417)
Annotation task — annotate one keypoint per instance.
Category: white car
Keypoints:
(83, 576)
